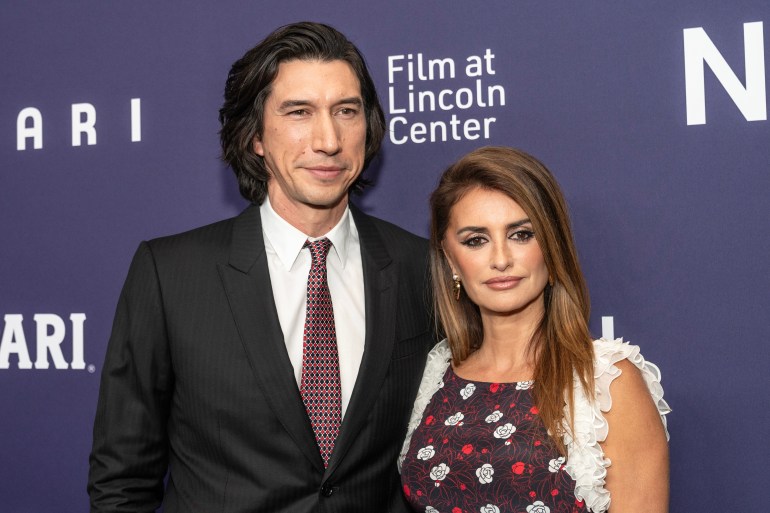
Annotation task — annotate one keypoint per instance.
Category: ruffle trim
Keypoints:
(432, 379)
(586, 463)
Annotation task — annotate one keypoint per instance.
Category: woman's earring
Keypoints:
(457, 286)
(550, 281)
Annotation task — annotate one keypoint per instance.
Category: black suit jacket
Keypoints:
(197, 381)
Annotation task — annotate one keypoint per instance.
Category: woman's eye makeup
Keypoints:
(522, 235)
(473, 241)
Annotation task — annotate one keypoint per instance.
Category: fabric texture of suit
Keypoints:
(197, 381)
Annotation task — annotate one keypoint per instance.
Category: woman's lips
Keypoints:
(502, 282)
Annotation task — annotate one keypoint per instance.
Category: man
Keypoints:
(223, 372)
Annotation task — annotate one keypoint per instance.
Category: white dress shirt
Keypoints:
(289, 265)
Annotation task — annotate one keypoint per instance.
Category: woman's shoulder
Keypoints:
(586, 461)
(611, 359)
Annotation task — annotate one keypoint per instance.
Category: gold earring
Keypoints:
(457, 286)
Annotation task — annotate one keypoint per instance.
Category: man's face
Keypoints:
(314, 135)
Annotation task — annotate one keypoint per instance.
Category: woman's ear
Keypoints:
(450, 263)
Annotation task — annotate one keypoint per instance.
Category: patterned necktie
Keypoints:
(320, 383)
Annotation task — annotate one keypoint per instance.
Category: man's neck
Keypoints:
(310, 220)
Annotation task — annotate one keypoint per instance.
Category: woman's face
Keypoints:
(491, 245)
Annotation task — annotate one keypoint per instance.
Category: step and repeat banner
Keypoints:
(652, 115)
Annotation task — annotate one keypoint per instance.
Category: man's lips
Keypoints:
(325, 171)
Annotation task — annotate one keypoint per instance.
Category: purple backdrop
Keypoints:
(670, 217)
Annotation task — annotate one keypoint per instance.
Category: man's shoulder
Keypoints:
(215, 236)
(392, 234)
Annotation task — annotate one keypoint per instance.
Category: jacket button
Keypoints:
(327, 491)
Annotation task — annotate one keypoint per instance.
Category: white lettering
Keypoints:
(392, 68)
(699, 49)
(136, 119)
(50, 335)
(439, 130)
(14, 342)
(50, 332)
(78, 360)
(24, 132)
(83, 126)
(608, 328)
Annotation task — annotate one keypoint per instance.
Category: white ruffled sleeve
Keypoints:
(585, 460)
(432, 380)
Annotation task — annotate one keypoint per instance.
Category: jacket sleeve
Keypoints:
(129, 456)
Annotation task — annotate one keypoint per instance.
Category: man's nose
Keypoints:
(326, 136)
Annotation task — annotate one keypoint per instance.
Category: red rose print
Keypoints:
(406, 491)
(467, 448)
(462, 486)
(429, 420)
(494, 387)
(484, 451)
(534, 410)
(538, 443)
(518, 467)
(456, 510)
(554, 492)
(532, 494)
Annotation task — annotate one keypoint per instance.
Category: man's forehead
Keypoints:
(313, 75)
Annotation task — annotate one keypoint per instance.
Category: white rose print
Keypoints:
(454, 419)
(505, 431)
(555, 464)
(484, 473)
(468, 390)
(439, 472)
(494, 416)
(426, 453)
(430, 509)
(524, 385)
(538, 507)
(490, 508)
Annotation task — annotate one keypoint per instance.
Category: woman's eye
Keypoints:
(474, 241)
(522, 235)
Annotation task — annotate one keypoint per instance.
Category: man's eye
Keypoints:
(298, 112)
(348, 112)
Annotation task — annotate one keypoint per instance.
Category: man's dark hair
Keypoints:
(250, 81)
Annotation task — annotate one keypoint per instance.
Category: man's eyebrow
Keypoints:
(353, 100)
(290, 104)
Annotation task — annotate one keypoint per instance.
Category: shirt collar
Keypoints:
(288, 241)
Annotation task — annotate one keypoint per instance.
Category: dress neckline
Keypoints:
(518, 384)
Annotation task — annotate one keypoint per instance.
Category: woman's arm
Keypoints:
(636, 444)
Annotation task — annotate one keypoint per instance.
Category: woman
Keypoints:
(518, 409)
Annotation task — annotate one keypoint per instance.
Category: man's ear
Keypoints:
(256, 145)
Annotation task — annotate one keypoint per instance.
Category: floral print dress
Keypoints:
(481, 447)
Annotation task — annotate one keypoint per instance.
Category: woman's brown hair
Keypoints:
(561, 344)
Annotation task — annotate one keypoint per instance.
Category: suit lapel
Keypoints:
(380, 292)
(246, 280)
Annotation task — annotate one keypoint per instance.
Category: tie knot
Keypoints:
(319, 249)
